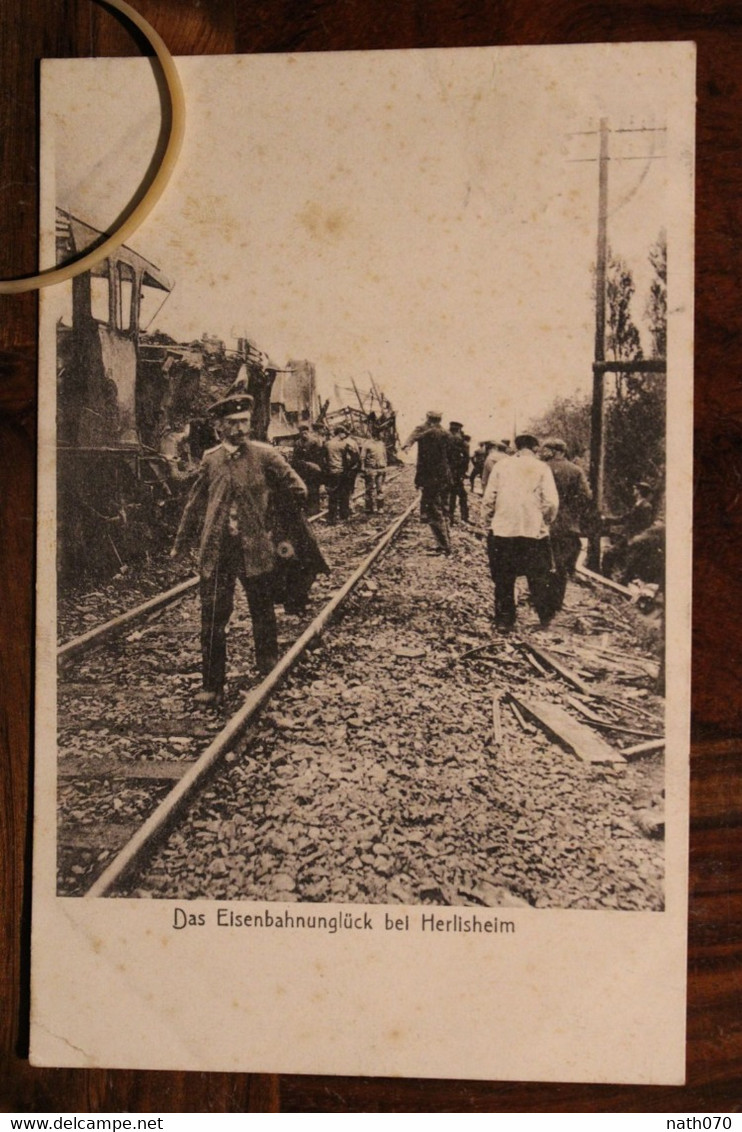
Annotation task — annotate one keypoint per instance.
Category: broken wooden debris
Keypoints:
(574, 736)
(409, 652)
(583, 709)
(561, 669)
(473, 652)
(496, 720)
(610, 726)
(534, 663)
(601, 721)
(522, 721)
(166, 770)
(640, 749)
(601, 580)
(627, 705)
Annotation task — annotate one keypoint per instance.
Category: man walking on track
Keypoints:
(249, 500)
(307, 460)
(574, 499)
(459, 461)
(433, 477)
(373, 470)
(520, 501)
(343, 462)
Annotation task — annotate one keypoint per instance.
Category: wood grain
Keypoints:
(77, 27)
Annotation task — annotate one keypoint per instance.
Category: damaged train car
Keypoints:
(131, 411)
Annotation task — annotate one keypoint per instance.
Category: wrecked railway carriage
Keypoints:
(132, 408)
(132, 420)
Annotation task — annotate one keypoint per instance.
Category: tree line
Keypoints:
(634, 407)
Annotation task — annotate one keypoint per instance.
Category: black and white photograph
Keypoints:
(364, 537)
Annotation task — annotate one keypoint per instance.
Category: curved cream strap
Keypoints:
(155, 190)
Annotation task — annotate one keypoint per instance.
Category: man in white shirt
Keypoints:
(520, 501)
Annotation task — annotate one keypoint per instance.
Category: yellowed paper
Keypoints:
(429, 218)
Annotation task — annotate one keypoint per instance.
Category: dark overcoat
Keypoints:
(574, 497)
(262, 491)
(433, 459)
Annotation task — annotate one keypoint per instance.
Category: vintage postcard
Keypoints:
(364, 567)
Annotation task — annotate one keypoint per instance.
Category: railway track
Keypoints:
(407, 757)
(131, 743)
(120, 623)
(377, 775)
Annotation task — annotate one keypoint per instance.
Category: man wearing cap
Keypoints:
(574, 500)
(373, 469)
(307, 460)
(459, 462)
(249, 498)
(477, 462)
(497, 450)
(433, 477)
(343, 462)
(637, 519)
(520, 501)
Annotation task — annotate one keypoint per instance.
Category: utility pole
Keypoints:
(600, 365)
(596, 421)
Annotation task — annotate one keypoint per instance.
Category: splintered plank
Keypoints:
(496, 720)
(640, 749)
(150, 727)
(167, 770)
(573, 735)
(561, 669)
(600, 580)
(100, 838)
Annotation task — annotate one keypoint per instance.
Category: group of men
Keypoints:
(533, 510)
(335, 462)
(249, 503)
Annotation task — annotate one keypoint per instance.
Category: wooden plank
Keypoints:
(496, 720)
(535, 664)
(179, 727)
(600, 720)
(97, 837)
(160, 770)
(574, 736)
(523, 723)
(640, 749)
(608, 582)
(583, 709)
(561, 669)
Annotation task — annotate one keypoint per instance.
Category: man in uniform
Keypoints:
(459, 462)
(477, 463)
(574, 499)
(633, 523)
(373, 470)
(307, 460)
(249, 499)
(343, 461)
(520, 501)
(497, 450)
(433, 477)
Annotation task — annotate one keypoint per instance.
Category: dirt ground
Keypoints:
(374, 776)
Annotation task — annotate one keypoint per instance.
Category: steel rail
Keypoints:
(160, 821)
(108, 629)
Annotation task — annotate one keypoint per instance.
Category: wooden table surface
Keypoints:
(32, 29)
